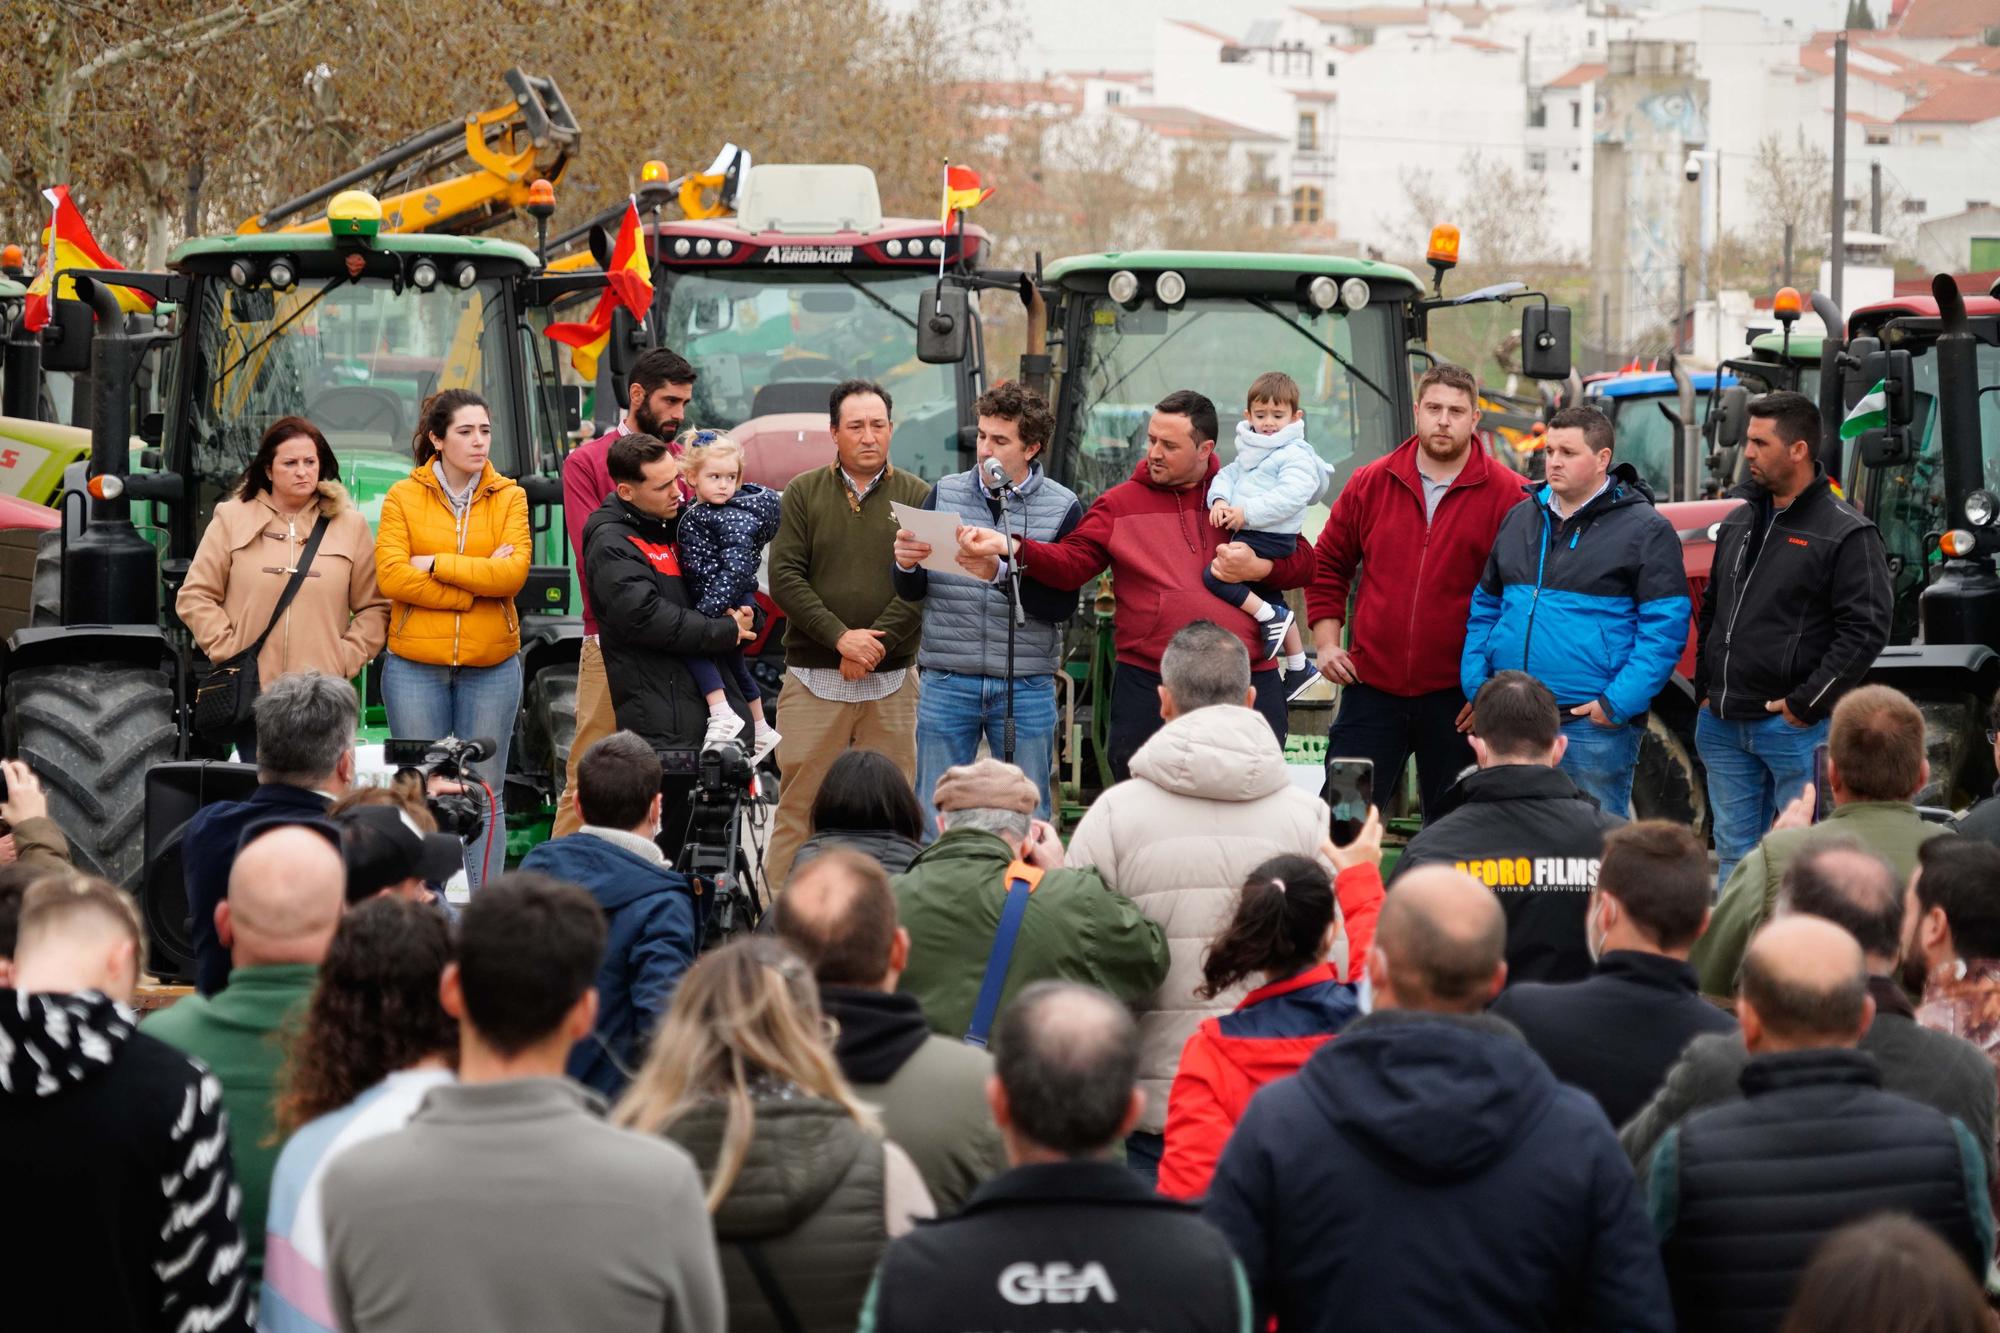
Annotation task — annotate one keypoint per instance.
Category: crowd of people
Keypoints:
(1196, 1066)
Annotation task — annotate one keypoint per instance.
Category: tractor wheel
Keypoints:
(549, 724)
(1668, 784)
(91, 732)
(45, 594)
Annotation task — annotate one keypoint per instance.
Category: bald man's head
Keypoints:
(839, 912)
(1439, 944)
(1838, 879)
(286, 892)
(1804, 987)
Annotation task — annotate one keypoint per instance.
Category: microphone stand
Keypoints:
(1015, 615)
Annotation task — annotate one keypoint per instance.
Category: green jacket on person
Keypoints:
(1075, 929)
(1893, 830)
(236, 1033)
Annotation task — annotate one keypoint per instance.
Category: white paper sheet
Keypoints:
(937, 527)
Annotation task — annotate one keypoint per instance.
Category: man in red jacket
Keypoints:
(1418, 524)
(662, 385)
(1153, 533)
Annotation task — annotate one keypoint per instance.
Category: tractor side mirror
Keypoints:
(1894, 372)
(1885, 447)
(944, 326)
(66, 337)
(1545, 342)
(1732, 417)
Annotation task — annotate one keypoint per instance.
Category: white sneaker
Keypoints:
(767, 741)
(722, 726)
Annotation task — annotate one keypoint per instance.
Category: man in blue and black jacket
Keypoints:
(1585, 591)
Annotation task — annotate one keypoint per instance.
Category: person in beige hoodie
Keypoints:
(338, 620)
(1209, 799)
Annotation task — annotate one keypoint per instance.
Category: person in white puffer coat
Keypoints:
(1210, 798)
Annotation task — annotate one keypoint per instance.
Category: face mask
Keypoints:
(1593, 939)
(1364, 994)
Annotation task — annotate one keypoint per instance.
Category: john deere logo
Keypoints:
(552, 595)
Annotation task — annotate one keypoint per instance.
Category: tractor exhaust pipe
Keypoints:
(110, 572)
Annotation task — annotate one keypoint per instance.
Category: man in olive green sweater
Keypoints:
(850, 641)
(1875, 767)
(287, 888)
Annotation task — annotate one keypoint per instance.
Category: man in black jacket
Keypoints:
(1521, 827)
(1795, 612)
(304, 764)
(1616, 1034)
(1983, 819)
(1841, 881)
(1425, 1172)
(1068, 1238)
(645, 622)
(115, 1144)
(1742, 1194)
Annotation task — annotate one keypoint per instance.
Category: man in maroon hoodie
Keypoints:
(662, 384)
(1418, 525)
(1153, 533)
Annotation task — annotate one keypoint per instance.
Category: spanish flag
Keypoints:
(630, 280)
(962, 190)
(68, 244)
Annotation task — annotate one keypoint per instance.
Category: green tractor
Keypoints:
(351, 331)
(1124, 329)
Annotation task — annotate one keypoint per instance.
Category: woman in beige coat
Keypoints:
(338, 620)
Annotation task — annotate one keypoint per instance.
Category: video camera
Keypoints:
(713, 852)
(461, 814)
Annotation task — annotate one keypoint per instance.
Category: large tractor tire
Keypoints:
(1668, 783)
(549, 724)
(46, 588)
(91, 733)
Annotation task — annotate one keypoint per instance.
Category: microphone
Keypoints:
(481, 748)
(996, 476)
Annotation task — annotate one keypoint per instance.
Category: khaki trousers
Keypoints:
(594, 721)
(817, 732)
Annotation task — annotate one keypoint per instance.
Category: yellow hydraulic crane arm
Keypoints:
(510, 146)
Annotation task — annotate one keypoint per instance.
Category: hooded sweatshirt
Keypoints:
(1156, 540)
(1427, 1172)
(118, 1148)
(1208, 801)
(652, 936)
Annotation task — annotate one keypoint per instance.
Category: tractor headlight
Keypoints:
(1981, 508)
(1123, 287)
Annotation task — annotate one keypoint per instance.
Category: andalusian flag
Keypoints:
(962, 190)
(68, 244)
(630, 280)
(1871, 413)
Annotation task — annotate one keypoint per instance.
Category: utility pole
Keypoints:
(1875, 196)
(1838, 260)
(1790, 229)
(1680, 307)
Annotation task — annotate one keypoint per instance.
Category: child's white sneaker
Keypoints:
(723, 726)
(766, 741)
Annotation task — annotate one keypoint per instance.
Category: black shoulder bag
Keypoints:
(224, 694)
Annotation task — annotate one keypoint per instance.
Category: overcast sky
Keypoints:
(1110, 34)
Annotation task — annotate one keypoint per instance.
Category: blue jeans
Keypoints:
(1754, 768)
(1600, 760)
(426, 702)
(954, 711)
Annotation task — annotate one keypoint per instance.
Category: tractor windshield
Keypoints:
(772, 342)
(1645, 437)
(356, 359)
(1132, 358)
(1907, 500)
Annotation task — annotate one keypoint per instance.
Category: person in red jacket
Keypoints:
(1282, 929)
(662, 386)
(1418, 523)
(1152, 532)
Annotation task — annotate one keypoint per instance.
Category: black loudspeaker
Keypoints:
(173, 793)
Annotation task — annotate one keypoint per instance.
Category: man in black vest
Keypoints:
(1068, 1238)
(1522, 828)
(1742, 1194)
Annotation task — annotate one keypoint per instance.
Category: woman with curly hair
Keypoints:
(375, 1041)
(804, 1190)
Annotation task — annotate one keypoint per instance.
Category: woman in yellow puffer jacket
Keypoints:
(452, 551)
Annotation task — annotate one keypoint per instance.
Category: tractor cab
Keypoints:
(1646, 410)
(351, 328)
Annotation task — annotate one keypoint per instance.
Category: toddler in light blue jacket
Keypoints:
(1262, 497)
